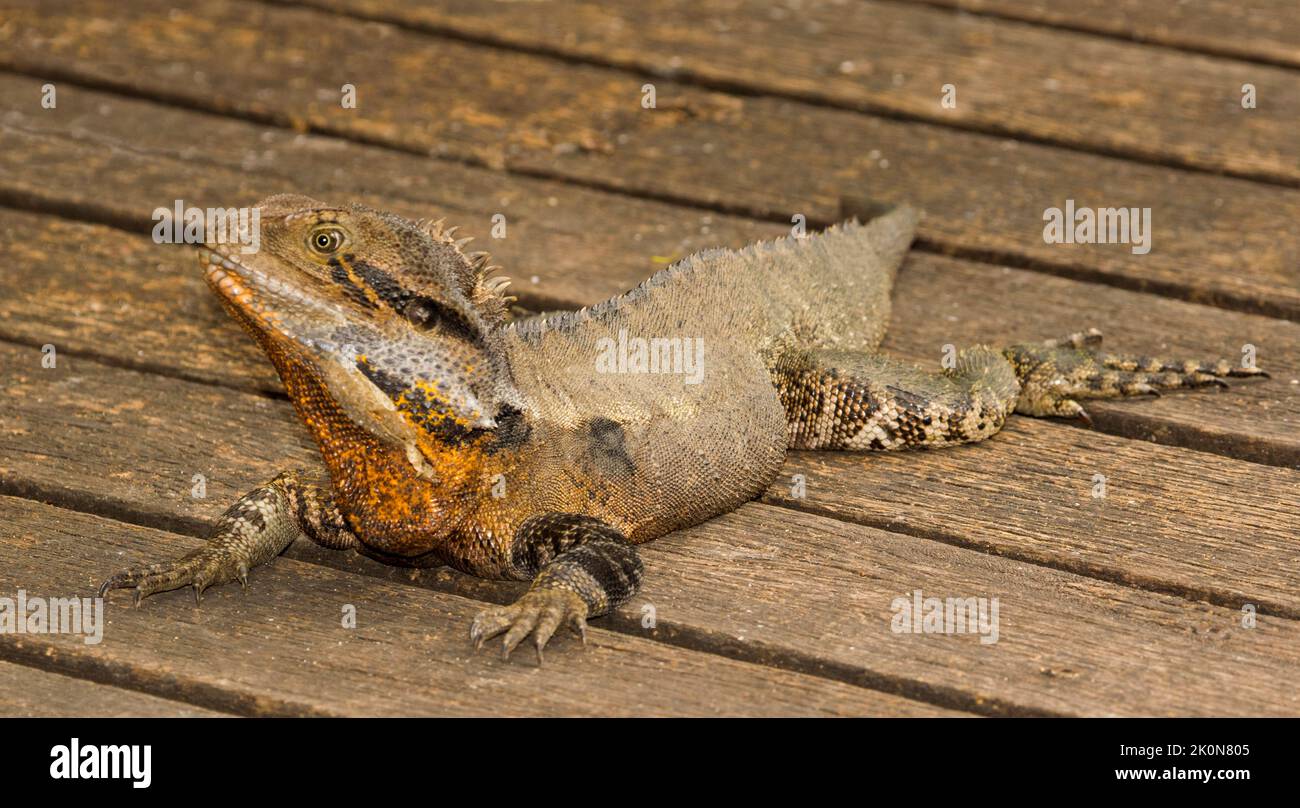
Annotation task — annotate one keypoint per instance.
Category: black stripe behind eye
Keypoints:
(385, 287)
(339, 274)
(427, 314)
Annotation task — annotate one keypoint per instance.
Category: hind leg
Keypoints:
(844, 400)
(1055, 375)
(856, 401)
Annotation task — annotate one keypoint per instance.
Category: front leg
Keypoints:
(257, 528)
(580, 567)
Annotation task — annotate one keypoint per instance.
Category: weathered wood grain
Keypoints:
(1214, 529)
(125, 443)
(289, 654)
(96, 291)
(115, 160)
(941, 302)
(1068, 644)
(1214, 239)
(1024, 80)
(35, 693)
(1168, 520)
(1261, 30)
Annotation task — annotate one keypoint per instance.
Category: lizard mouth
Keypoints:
(227, 277)
(231, 280)
(253, 292)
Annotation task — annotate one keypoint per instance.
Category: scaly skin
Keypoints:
(453, 436)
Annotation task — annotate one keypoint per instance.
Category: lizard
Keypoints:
(542, 449)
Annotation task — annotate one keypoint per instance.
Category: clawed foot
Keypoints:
(198, 569)
(539, 612)
(1055, 374)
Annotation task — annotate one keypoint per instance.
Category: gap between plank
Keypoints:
(1120, 424)
(1133, 37)
(1086, 570)
(685, 637)
(103, 674)
(182, 690)
(754, 90)
(1073, 271)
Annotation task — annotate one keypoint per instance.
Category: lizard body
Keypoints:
(545, 449)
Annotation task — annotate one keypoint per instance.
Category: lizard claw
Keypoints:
(1082, 414)
(539, 612)
(1054, 374)
(198, 570)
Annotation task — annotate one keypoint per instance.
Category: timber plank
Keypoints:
(34, 693)
(96, 158)
(551, 238)
(1261, 30)
(1068, 644)
(409, 653)
(1023, 80)
(1215, 239)
(122, 442)
(1169, 519)
(96, 291)
(1210, 526)
(940, 301)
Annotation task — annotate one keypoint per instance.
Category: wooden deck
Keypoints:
(1131, 604)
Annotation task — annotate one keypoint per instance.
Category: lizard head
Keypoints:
(389, 318)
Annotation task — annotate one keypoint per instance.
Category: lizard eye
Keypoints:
(326, 240)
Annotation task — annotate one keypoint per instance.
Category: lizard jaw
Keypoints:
(247, 289)
(223, 275)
